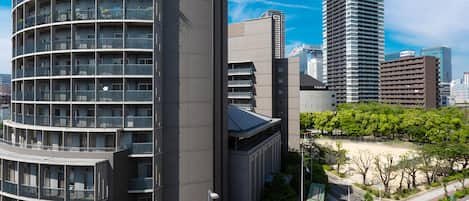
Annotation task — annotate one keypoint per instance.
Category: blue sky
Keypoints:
(408, 25)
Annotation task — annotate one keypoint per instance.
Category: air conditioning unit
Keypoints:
(130, 123)
(82, 98)
(81, 123)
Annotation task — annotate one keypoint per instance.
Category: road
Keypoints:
(437, 193)
(338, 190)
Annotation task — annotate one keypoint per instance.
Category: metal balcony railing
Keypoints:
(84, 69)
(241, 71)
(109, 122)
(139, 43)
(105, 13)
(141, 183)
(239, 94)
(138, 95)
(110, 69)
(138, 122)
(139, 69)
(84, 14)
(139, 14)
(110, 95)
(81, 195)
(50, 193)
(83, 95)
(142, 148)
(238, 83)
(29, 191)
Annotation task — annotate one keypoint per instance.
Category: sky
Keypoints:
(409, 25)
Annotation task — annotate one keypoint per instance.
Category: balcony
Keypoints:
(138, 95)
(110, 43)
(139, 184)
(139, 14)
(240, 95)
(19, 51)
(19, 95)
(139, 43)
(61, 121)
(108, 14)
(84, 122)
(28, 119)
(42, 120)
(109, 122)
(84, 43)
(84, 69)
(110, 96)
(43, 46)
(241, 71)
(19, 118)
(62, 15)
(19, 73)
(83, 95)
(19, 25)
(61, 70)
(110, 69)
(28, 95)
(81, 195)
(61, 95)
(49, 193)
(43, 18)
(10, 187)
(29, 48)
(62, 44)
(85, 14)
(142, 148)
(138, 122)
(43, 95)
(139, 69)
(29, 72)
(29, 191)
(240, 83)
(30, 21)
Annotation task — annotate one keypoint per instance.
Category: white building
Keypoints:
(310, 60)
(315, 96)
(459, 92)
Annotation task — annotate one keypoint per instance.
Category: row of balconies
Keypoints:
(85, 121)
(85, 95)
(135, 10)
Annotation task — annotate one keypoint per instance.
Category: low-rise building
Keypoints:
(315, 96)
(410, 82)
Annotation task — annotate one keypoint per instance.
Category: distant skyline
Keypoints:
(408, 25)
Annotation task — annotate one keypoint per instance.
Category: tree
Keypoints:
(409, 163)
(386, 170)
(340, 156)
(429, 165)
(363, 163)
(306, 121)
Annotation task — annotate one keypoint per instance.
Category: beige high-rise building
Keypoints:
(260, 82)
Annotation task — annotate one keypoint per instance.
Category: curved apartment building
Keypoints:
(90, 117)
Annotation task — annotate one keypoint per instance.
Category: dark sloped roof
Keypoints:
(243, 123)
(309, 83)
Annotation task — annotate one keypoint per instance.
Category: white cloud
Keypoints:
(432, 23)
(5, 42)
(241, 10)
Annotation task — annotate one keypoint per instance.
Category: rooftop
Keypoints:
(309, 83)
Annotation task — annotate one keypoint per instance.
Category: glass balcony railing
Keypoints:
(19, 73)
(84, 69)
(84, 14)
(139, 14)
(61, 121)
(28, 119)
(29, 72)
(49, 193)
(84, 44)
(19, 25)
(43, 95)
(62, 15)
(81, 195)
(62, 44)
(142, 148)
(239, 94)
(109, 14)
(61, 95)
(110, 69)
(240, 71)
(138, 95)
(29, 48)
(139, 69)
(43, 71)
(84, 122)
(110, 95)
(30, 21)
(109, 122)
(139, 43)
(61, 70)
(141, 183)
(19, 51)
(42, 120)
(43, 18)
(29, 191)
(138, 122)
(110, 43)
(10, 187)
(19, 95)
(29, 95)
(19, 117)
(83, 95)
(238, 83)
(43, 46)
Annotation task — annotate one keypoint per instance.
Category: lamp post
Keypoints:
(302, 176)
(212, 196)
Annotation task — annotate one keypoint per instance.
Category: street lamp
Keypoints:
(212, 196)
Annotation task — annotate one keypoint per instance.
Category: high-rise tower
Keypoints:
(116, 100)
(278, 20)
(353, 44)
